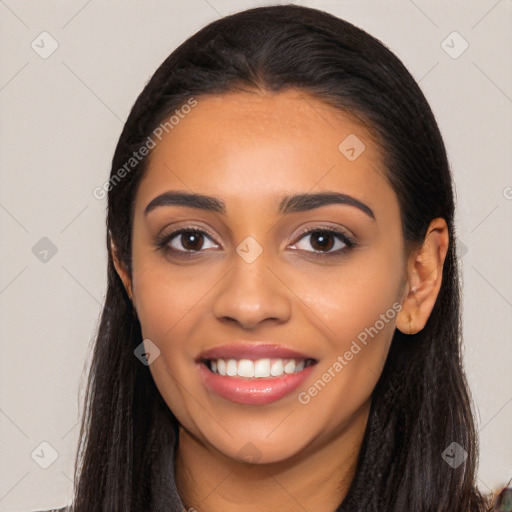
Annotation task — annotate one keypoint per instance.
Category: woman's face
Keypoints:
(248, 291)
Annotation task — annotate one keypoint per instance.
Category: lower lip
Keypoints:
(259, 391)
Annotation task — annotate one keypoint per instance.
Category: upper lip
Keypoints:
(245, 350)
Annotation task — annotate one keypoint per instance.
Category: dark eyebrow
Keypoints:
(305, 202)
(288, 204)
(190, 200)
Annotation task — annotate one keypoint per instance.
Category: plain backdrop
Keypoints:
(70, 72)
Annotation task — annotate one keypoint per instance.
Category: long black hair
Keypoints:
(421, 404)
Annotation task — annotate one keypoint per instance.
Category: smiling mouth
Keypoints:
(264, 368)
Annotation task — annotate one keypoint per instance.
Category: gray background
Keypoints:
(60, 120)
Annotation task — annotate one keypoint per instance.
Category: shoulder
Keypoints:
(503, 503)
(64, 509)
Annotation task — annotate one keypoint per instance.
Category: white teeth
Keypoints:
(231, 368)
(289, 367)
(277, 368)
(260, 368)
(246, 368)
(221, 366)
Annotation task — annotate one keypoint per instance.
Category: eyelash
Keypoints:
(162, 242)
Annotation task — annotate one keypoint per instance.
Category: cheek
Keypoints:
(169, 302)
(358, 306)
(353, 296)
(167, 298)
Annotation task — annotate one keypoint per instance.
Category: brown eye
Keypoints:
(322, 241)
(185, 242)
(191, 240)
(325, 242)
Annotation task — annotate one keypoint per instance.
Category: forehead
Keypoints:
(246, 146)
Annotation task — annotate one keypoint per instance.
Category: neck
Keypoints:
(315, 479)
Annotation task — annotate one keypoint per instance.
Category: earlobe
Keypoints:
(424, 278)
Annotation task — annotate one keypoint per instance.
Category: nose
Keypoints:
(252, 294)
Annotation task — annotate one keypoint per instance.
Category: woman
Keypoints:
(281, 328)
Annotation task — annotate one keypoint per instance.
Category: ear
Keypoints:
(424, 276)
(120, 269)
